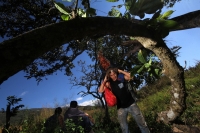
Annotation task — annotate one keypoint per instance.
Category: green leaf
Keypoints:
(119, 6)
(141, 69)
(65, 17)
(61, 8)
(142, 55)
(150, 61)
(156, 15)
(170, 24)
(112, 0)
(91, 11)
(141, 7)
(114, 13)
(157, 72)
(82, 13)
(129, 4)
(135, 69)
(127, 16)
(147, 65)
(151, 6)
(167, 14)
(149, 69)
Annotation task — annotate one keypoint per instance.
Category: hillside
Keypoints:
(20, 115)
(24, 113)
(156, 97)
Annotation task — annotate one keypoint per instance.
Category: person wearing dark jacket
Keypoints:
(75, 114)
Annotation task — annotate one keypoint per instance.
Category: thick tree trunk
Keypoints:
(188, 21)
(19, 52)
(175, 72)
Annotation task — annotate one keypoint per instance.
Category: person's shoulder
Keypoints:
(80, 111)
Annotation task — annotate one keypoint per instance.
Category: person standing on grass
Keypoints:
(125, 102)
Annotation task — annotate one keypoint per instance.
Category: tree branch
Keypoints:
(21, 51)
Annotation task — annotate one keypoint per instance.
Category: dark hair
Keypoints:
(114, 69)
(73, 104)
(58, 110)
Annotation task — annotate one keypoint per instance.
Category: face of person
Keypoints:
(113, 75)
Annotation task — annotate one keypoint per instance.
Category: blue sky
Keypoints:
(57, 90)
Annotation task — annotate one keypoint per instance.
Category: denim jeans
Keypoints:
(134, 110)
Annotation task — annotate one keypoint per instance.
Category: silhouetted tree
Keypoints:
(12, 111)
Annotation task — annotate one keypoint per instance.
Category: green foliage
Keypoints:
(142, 55)
(140, 7)
(82, 13)
(166, 15)
(115, 13)
(161, 24)
(147, 65)
(192, 113)
(157, 97)
(153, 101)
(127, 16)
(91, 11)
(61, 8)
(105, 125)
(66, 15)
(71, 127)
(29, 125)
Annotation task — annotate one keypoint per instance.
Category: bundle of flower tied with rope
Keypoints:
(109, 97)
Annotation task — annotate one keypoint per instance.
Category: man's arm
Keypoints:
(127, 75)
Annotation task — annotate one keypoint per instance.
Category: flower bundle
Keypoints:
(105, 63)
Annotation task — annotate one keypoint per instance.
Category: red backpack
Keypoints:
(110, 98)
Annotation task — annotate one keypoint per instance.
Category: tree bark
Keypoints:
(175, 72)
(188, 21)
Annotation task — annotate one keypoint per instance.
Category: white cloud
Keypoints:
(78, 99)
(88, 103)
(23, 93)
